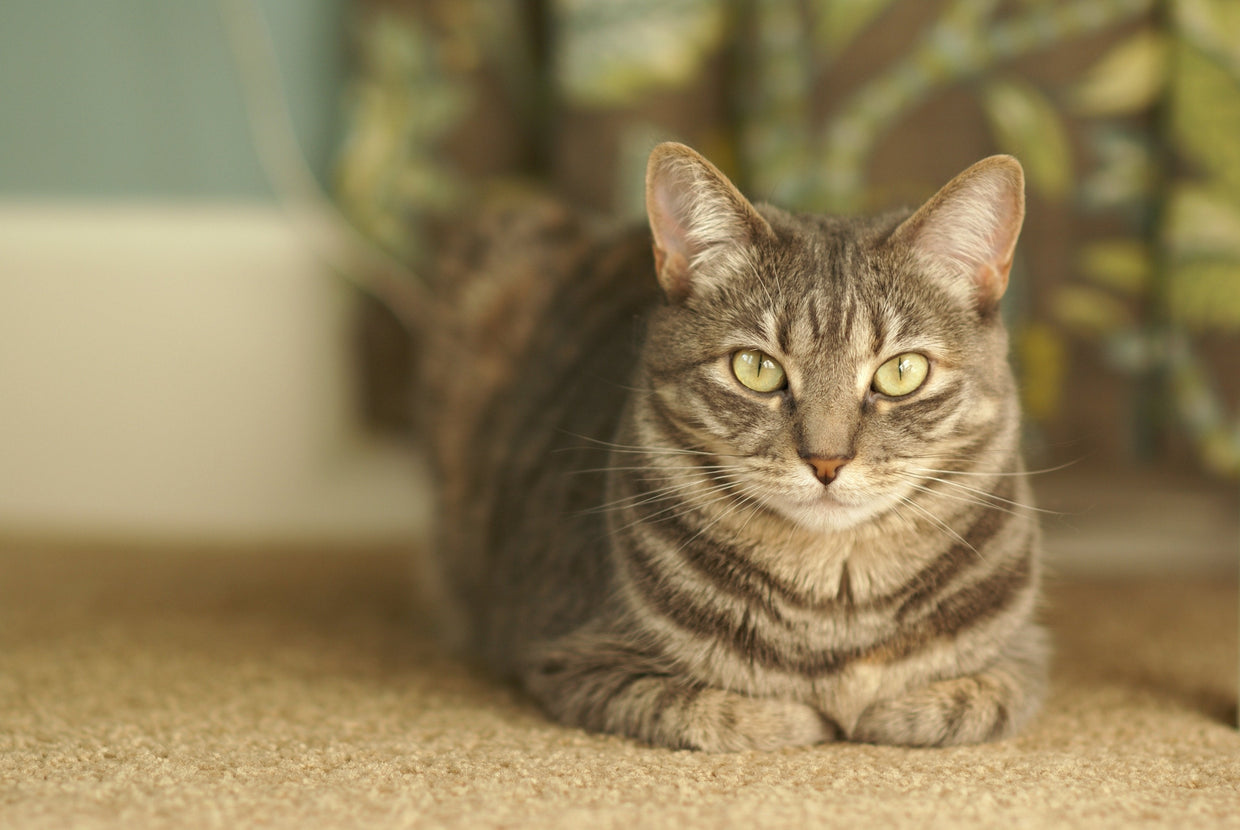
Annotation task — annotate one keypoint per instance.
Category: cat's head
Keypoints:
(831, 362)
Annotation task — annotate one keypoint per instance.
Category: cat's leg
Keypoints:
(607, 686)
(986, 706)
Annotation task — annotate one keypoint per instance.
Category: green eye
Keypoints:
(901, 375)
(758, 371)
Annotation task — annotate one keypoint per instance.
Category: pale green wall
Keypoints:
(140, 98)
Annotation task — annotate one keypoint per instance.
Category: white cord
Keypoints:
(333, 238)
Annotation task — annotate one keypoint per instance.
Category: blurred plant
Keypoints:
(965, 42)
(613, 51)
(1159, 115)
(969, 43)
(1148, 296)
(405, 100)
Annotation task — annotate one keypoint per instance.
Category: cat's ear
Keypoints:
(704, 229)
(967, 231)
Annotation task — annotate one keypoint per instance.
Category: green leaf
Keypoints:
(1043, 359)
(1211, 26)
(1202, 222)
(1122, 264)
(1205, 295)
(1027, 125)
(839, 21)
(1123, 173)
(1091, 311)
(1220, 452)
(1129, 78)
(611, 52)
(1205, 100)
(404, 102)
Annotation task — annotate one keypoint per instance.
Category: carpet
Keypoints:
(296, 689)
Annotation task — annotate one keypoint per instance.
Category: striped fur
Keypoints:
(636, 537)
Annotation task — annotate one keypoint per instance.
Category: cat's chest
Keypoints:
(818, 617)
(848, 578)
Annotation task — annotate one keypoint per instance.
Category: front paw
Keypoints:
(719, 721)
(963, 710)
(625, 692)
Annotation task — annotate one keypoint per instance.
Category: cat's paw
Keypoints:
(609, 687)
(959, 711)
(963, 710)
(991, 704)
(719, 721)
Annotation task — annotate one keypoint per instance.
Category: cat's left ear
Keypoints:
(967, 231)
(704, 229)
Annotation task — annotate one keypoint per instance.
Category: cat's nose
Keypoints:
(827, 468)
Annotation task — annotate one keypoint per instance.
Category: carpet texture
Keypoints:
(296, 690)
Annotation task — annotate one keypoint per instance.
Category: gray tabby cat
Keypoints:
(773, 497)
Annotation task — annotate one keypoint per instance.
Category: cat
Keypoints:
(754, 485)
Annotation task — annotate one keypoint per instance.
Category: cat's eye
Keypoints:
(901, 375)
(758, 371)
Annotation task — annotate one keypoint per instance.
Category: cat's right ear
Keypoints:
(704, 229)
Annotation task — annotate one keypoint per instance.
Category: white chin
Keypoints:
(827, 514)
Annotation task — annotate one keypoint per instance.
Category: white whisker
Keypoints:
(658, 494)
(989, 497)
(635, 449)
(745, 499)
(940, 523)
(672, 512)
(710, 468)
(1020, 473)
(921, 488)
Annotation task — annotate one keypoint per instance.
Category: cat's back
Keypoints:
(525, 369)
(492, 283)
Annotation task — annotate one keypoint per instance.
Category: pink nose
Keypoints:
(827, 468)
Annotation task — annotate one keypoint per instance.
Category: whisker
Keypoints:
(670, 512)
(759, 503)
(745, 499)
(617, 448)
(940, 523)
(921, 488)
(633, 448)
(658, 494)
(1043, 471)
(983, 494)
(711, 468)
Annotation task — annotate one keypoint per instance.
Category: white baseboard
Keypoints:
(182, 370)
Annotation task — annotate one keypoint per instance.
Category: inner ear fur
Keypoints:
(967, 231)
(703, 227)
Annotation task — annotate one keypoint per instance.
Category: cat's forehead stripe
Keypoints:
(879, 336)
(848, 315)
(783, 330)
(768, 326)
(815, 319)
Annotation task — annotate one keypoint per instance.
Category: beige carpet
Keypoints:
(295, 690)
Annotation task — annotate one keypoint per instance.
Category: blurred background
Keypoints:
(182, 358)
(175, 354)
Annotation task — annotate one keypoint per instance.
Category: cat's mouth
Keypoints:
(831, 508)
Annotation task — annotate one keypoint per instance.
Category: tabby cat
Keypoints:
(759, 489)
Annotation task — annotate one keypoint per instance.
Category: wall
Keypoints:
(174, 360)
(140, 98)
